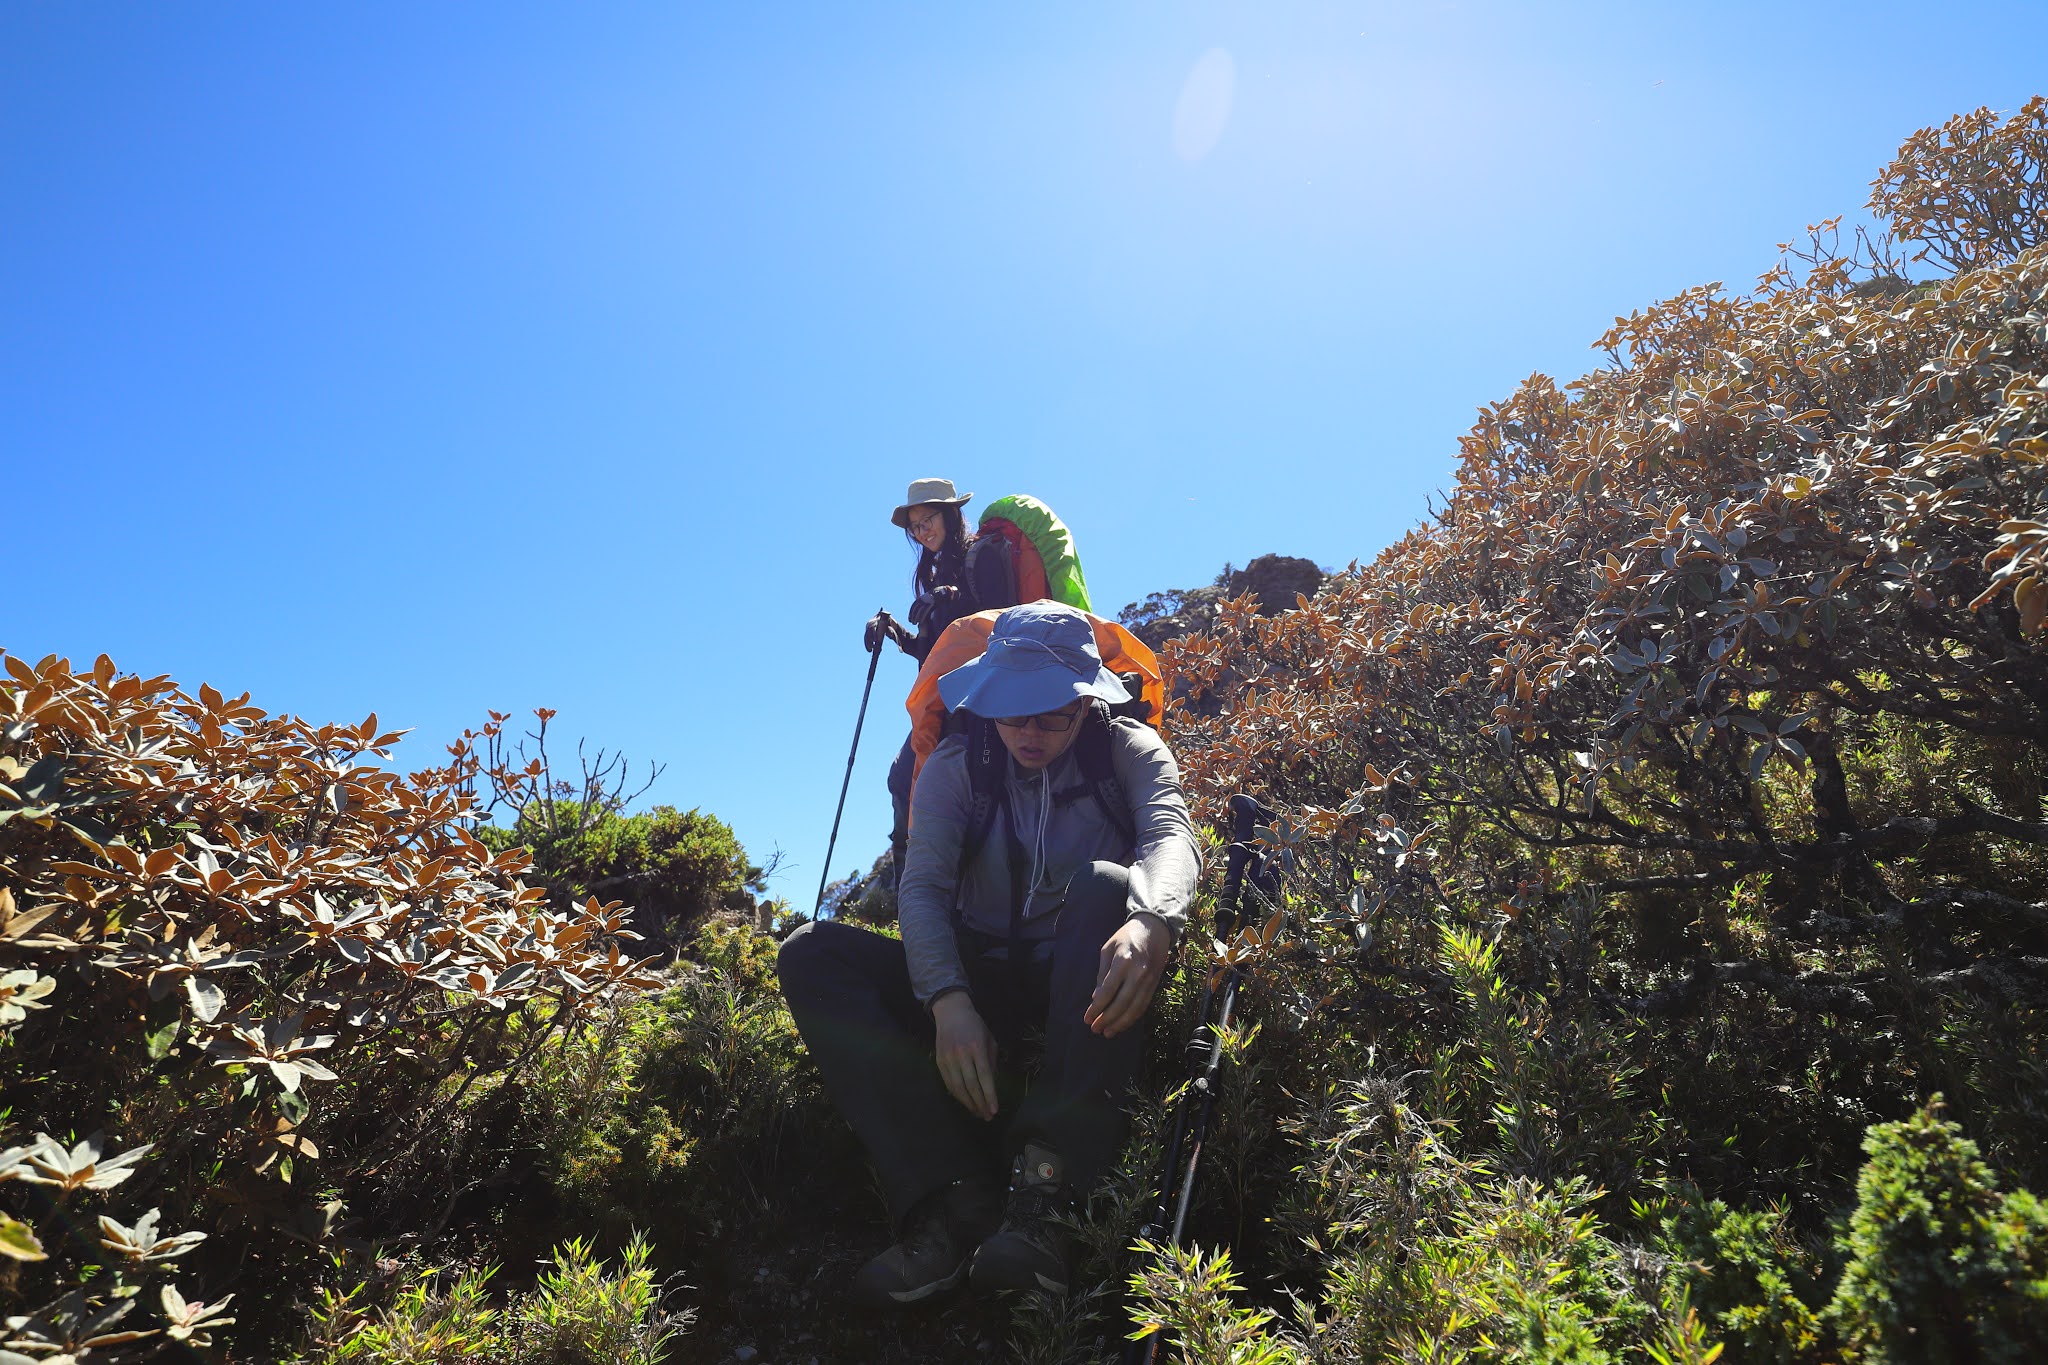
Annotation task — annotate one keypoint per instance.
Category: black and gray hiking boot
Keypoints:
(932, 1255)
(1029, 1251)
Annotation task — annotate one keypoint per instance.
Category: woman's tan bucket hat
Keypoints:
(925, 493)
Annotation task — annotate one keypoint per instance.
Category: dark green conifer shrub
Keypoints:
(1943, 1268)
(1746, 1272)
(676, 866)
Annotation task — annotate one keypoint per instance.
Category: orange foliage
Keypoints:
(1664, 601)
(264, 949)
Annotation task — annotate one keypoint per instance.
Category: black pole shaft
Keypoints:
(825, 873)
(1206, 1108)
(1169, 1211)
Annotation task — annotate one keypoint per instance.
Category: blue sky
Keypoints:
(429, 358)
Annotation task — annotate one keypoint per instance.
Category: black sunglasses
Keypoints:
(1052, 722)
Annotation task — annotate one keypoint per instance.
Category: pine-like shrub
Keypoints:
(1943, 1268)
(677, 866)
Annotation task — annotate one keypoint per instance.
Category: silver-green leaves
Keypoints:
(22, 990)
(141, 1244)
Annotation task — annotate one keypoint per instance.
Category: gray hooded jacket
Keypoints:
(1061, 827)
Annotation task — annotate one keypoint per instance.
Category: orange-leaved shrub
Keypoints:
(1667, 809)
(282, 969)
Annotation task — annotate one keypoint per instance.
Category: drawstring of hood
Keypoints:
(1044, 823)
(1038, 881)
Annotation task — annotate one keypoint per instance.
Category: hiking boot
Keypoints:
(931, 1256)
(1029, 1251)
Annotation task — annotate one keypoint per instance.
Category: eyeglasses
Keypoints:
(919, 525)
(1052, 722)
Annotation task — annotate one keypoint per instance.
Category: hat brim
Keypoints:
(986, 690)
(901, 516)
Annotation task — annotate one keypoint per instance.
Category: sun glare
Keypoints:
(1203, 111)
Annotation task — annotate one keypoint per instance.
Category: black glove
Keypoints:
(881, 626)
(928, 603)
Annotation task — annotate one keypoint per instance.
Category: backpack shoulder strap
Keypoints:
(987, 760)
(1098, 770)
(988, 765)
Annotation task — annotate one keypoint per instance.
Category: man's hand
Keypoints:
(1132, 963)
(966, 1054)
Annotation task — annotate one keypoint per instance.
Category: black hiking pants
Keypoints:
(1059, 1083)
(900, 774)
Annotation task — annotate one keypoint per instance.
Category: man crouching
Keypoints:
(1047, 878)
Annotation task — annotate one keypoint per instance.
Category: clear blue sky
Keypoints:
(429, 358)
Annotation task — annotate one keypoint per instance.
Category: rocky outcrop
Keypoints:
(1276, 580)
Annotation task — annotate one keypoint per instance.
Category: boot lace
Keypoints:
(1034, 1213)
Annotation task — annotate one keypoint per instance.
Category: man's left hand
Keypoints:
(1132, 963)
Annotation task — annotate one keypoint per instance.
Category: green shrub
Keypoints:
(425, 1322)
(676, 866)
(1746, 1272)
(715, 1094)
(579, 1313)
(1942, 1266)
(1427, 1255)
(1186, 1294)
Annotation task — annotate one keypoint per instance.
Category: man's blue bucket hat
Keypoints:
(1040, 656)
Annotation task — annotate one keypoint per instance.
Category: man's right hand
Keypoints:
(966, 1053)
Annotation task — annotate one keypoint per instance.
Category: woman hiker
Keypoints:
(1005, 1028)
(930, 516)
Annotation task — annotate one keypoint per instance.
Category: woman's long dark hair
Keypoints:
(925, 576)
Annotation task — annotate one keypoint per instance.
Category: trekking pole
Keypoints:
(1169, 1213)
(825, 873)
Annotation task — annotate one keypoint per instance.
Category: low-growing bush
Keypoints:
(675, 866)
(234, 941)
(578, 1313)
(716, 1105)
